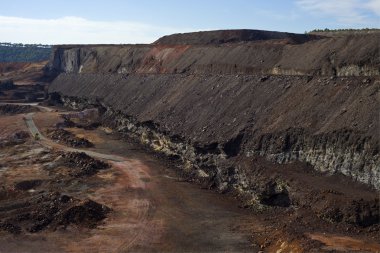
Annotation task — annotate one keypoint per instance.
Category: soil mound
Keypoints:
(50, 211)
(28, 184)
(10, 109)
(14, 139)
(232, 36)
(7, 85)
(30, 201)
(85, 125)
(82, 164)
(66, 137)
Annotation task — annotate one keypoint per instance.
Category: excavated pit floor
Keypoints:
(148, 207)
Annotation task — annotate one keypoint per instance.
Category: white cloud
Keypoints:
(344, 11)
(76, 30)
(374, 5)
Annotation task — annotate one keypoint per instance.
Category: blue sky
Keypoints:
(143, 21)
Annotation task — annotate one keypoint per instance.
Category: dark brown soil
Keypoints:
(83, 165)
(43, 199)
(65, 123)
(83, 124)
(66, 137)
(49, 211)
(6, 85)
(330, 198)
(170, 215)
(14, 139)
(232, 36)
(270, 117)
(24, 93)
(28, 184)
(10, 109)
(299, 104)
(341, 56)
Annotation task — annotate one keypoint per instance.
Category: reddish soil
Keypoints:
(152, 207)
(11, 125)
(31, 175)
(292, 225)
(262, 136)
(143, 204)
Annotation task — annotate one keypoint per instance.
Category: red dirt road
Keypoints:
(153, 211)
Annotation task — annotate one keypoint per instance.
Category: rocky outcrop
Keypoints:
(341, 151)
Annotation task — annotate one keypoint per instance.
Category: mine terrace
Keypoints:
(221, 141)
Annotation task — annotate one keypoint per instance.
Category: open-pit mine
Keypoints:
(220, 141)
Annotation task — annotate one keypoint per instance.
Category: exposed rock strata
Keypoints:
(220, 105)
(229, 115)
(257, 182)
(338, 56)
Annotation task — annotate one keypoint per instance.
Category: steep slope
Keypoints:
(338, 56)
(219, 106)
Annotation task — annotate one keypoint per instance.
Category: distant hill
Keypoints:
(11, 52)
(218, 37)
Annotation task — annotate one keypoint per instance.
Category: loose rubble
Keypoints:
(66, 137)
(83, 165)
(10, 109)
(14, 139)
(50, 211)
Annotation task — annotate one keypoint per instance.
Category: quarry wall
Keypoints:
(314, 101)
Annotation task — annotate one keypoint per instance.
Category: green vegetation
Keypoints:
(364, 30)
(10, 52)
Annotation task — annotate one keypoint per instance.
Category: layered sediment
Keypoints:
(209, 99)
(302, 55)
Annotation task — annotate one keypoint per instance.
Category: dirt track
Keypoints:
(234, 111)
(153, 210)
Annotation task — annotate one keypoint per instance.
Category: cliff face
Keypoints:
(338, 56)
(314, 101)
